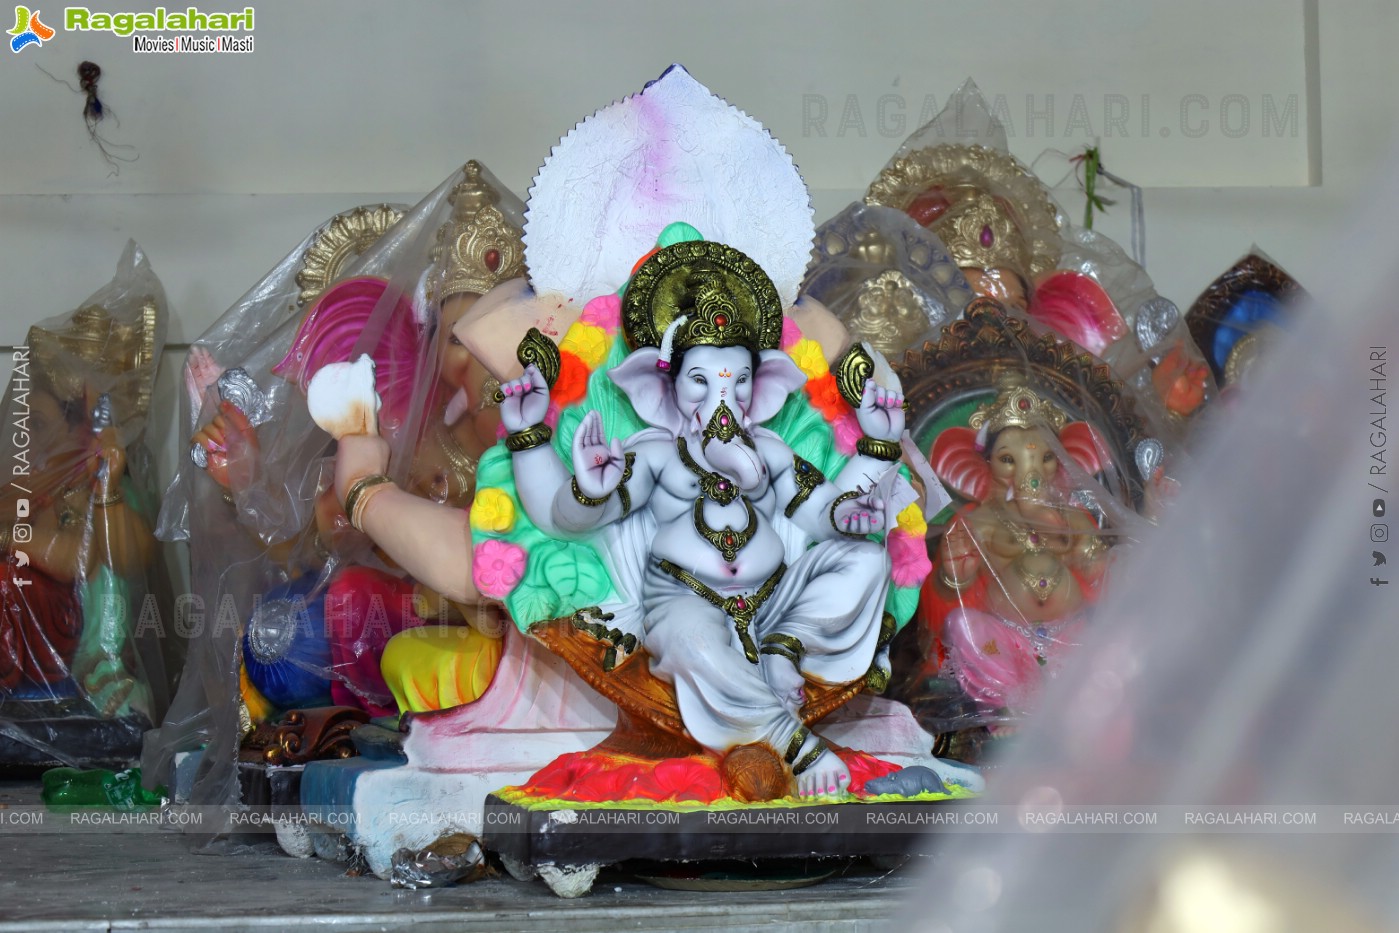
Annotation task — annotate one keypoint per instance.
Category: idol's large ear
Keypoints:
(651, 391)
(958, 463)
(774, 382)
(1082, 442)
(1076, 306)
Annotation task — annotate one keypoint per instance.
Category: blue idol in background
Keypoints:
(1239, 314)
(286, 649)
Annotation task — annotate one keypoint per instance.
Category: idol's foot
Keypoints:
(826, 777)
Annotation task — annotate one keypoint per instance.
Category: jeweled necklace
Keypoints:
(727, 540)
(461, 465)
(1027, 537)
(1040, 584)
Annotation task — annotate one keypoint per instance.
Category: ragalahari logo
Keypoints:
(28, 30)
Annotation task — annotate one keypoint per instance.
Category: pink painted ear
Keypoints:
(334, 327)
(774, 382)
(1082, 442)
(1077, 307)
(958, 463)
(651, 391)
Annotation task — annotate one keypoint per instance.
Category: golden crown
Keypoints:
(725, 299)
(987, 208)
(980, 232)
(479, 247)
(98, 350)
(1018, 406)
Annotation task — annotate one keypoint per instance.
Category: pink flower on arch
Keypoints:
(847, 431)
(909, 556)
(604, 311)
(791, 333)
(496, 567)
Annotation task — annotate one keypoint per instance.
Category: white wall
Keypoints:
(343, 103)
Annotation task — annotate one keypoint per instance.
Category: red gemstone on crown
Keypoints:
(492, 259)
(1023, 404)
(721, 320)
(728, 539)
(987, 237)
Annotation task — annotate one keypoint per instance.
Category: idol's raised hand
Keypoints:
(526, 400)
(597, 465)
(881, 412)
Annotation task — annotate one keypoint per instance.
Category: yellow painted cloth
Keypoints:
(259, 707)
(439, 666)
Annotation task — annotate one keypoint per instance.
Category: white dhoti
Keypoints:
(827, 608)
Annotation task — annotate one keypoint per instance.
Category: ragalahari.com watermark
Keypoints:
(1049, 116)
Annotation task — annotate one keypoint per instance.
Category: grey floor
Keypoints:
(156, 881)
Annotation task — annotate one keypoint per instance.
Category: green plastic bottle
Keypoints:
(122, 790)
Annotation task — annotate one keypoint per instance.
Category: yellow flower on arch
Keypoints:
(911, 521)
(492, 511)
(809, 358)
(587, 342)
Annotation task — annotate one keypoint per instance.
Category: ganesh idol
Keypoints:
(1019, 567)
(726, 619)
(683, 507)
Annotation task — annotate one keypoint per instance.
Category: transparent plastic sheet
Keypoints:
(1037, 444)
(1245, 660)
(888, 280)
(82, 673)
(273, 552)
(966, 120)
(1156, 353)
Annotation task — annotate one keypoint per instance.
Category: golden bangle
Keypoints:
(589, 501)
(104, 501)
(358, 487)
(888, 451)
(362, 503)
(950, 583)
(845, 497)
(529, 438)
